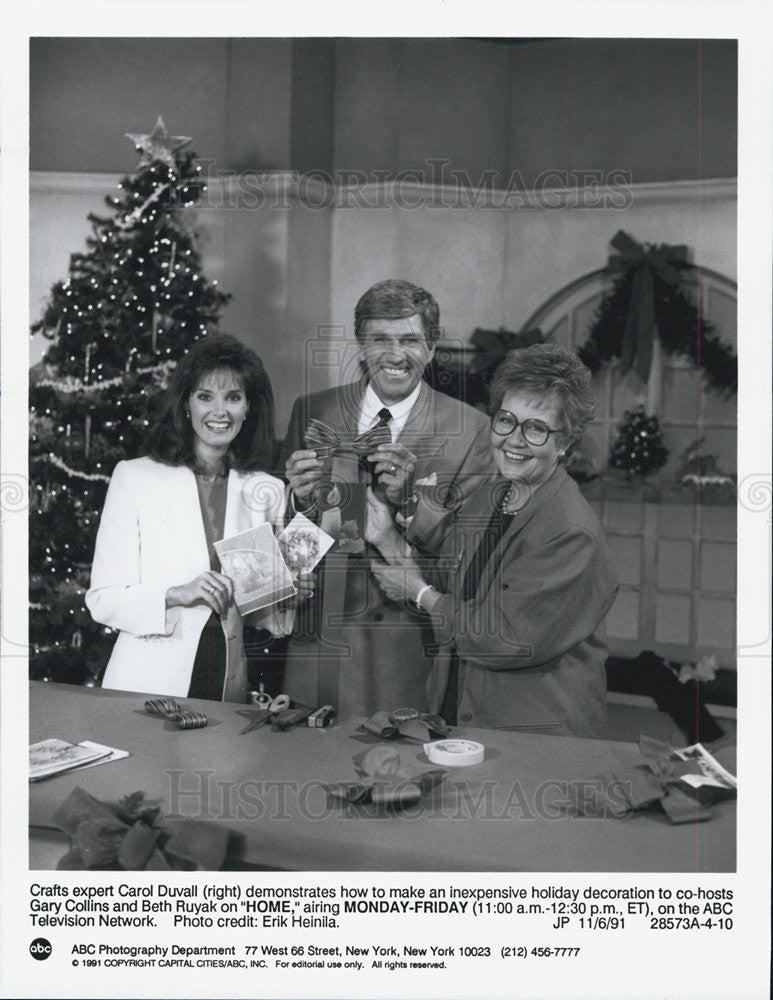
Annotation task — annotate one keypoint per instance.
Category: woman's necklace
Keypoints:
(507, 500)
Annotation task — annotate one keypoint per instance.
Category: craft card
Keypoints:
(53, 756)
(303, 544)
(253, 560)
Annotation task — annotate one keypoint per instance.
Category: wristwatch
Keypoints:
(421, 593)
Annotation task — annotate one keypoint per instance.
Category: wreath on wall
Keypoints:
(469, 380)
(646, 298)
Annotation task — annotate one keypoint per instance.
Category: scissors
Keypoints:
(269, 708)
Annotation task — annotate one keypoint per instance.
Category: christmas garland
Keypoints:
(646, 292)
(70, 384)
(95, 477)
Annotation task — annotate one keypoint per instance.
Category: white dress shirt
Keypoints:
(371, 404)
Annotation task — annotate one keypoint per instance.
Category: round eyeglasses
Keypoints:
(536, 432)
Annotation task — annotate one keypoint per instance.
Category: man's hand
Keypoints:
(303, 471)
(394, 467)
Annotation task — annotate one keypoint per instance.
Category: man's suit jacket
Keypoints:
(358, 649)
(531, 642)
(151, 537)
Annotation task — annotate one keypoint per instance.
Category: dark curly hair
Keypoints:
(171, 440)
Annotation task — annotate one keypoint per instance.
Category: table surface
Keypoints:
(506, 814)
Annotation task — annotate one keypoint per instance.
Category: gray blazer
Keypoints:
(369, 653)
(531, 642)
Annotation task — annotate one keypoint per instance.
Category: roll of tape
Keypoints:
(455, 753)
(280, 703)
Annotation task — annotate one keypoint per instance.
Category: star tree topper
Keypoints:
(158, 145)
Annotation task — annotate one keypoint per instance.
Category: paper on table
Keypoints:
(303, 544)
(712, 772)
(54, 756)
(113, 754)
(254, 562)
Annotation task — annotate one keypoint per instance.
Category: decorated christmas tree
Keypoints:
(638, 447)
(132, 304)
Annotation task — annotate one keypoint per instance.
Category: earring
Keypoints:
(187, 413)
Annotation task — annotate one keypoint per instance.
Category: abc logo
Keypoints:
(40, 949)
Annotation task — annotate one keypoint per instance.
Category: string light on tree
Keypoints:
(638, 447)
(117, 323)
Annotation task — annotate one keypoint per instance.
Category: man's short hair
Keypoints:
(396, 299)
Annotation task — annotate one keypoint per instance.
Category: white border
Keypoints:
(683, 967)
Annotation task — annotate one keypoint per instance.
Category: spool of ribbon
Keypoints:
(167, 708)
(455, 753)
(190, 720)
(405, 722)
(400, 715)
(645, 262)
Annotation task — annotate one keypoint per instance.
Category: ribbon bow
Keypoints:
(645, 261)
(129, 834)
(327, 442)
(383, 781)
(492, 346)
(684, 782)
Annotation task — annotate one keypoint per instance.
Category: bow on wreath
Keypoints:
(492, 346)
(645, 262)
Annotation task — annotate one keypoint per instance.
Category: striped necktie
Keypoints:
(384, 416)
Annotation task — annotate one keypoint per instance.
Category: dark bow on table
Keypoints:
(129, 835)
(645, 261)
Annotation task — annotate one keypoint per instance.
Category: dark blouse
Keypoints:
(492, 536)
(212, 498)
(208, 673)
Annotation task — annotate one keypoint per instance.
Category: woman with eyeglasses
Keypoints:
(517, 593)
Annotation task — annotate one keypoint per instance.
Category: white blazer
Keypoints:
(151, 537)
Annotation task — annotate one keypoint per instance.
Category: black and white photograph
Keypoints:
(475, 313)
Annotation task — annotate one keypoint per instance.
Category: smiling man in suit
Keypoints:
(354, 647)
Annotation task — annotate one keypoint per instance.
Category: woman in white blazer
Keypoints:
(155, 576)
